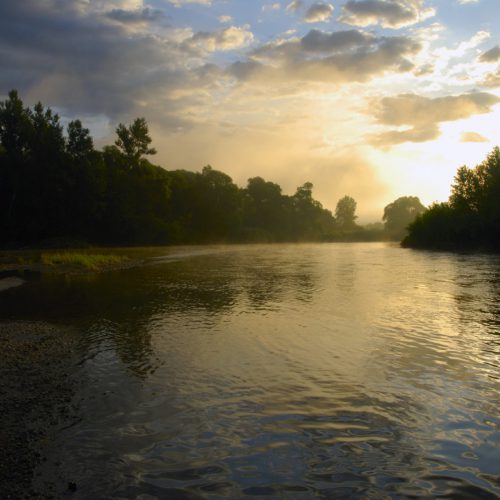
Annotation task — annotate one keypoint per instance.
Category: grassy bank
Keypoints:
(86, 261)
(63, 260)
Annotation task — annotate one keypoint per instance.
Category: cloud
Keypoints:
(336, 57)
(224, 39)
(492, 80)
(180, 3)
(388, 13)
(224, 19)
(472, 137)
(295, 5)
(319, 41)
(429, 133)
(84, 64)
(88, 63)
(269, 7)
(422, 115)
(318, 13)
(465, 2)
(491, 55)
(86, 7)
(138, 16)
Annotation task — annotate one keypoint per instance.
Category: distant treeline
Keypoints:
(56, 187)
(470, 219)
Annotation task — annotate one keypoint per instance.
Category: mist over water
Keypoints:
(295, 371)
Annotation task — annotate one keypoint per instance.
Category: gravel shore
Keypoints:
(35, 401)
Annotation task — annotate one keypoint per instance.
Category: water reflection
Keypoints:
(286, 370)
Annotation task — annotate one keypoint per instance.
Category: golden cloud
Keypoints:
(422, 115)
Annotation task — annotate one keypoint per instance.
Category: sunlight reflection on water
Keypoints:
(282, 370)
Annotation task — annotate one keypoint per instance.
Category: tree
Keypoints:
(262, 191)
(304, 192)
(476, 190)
(134, 140)
(310, 220)
(56, 186)
(217, 207)
(435, 228)
(16, 131)
(265, 211)
(345, 213)
(79, 143)
(35, 180)
(400, 213)
(88, 183)
(15, 126)
(471, 217)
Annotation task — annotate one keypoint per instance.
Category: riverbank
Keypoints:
(36, 395)
(64, 261)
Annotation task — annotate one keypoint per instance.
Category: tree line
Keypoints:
(470, 219)
(55, 186)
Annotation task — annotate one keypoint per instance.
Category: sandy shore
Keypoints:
(35, 401)
(10, 282)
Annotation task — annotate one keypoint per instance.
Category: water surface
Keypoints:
(296, 371)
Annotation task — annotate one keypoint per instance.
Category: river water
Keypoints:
(295, 371)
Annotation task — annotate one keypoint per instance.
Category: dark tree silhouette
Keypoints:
(56, 187)
(399, 214)
(266, 212)
(345, 213)
(471, 217)
(79, 144)
(15, 135)
(134, 140)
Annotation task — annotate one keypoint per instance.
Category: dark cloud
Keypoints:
(491, 55)
(423, 115)
(224, 39)
(138, 16)
(388, 13)
(318, 12)
(83, 63)
(334, 57)
(412, 109)
(245, 70)
(319, 41)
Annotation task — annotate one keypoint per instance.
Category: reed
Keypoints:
(81, 260)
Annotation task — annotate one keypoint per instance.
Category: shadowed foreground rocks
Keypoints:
(35, 401)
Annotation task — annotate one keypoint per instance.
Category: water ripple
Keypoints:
(301, 371)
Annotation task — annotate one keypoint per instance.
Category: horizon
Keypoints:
(372, 99)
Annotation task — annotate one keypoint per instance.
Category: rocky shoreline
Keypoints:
(36, 393)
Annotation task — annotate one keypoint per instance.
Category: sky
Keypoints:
(374, 99)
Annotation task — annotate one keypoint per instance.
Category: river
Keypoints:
(296, 371)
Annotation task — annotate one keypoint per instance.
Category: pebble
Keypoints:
(34, 396)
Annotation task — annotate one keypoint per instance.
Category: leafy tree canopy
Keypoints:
(400, 213)
(79, 144)
(345, 213)
(470, 218)
(134, 140)
(55, 185)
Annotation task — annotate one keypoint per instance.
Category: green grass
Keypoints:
(88, 261)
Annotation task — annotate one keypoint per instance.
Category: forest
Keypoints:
(57, 189)
(470, 219)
